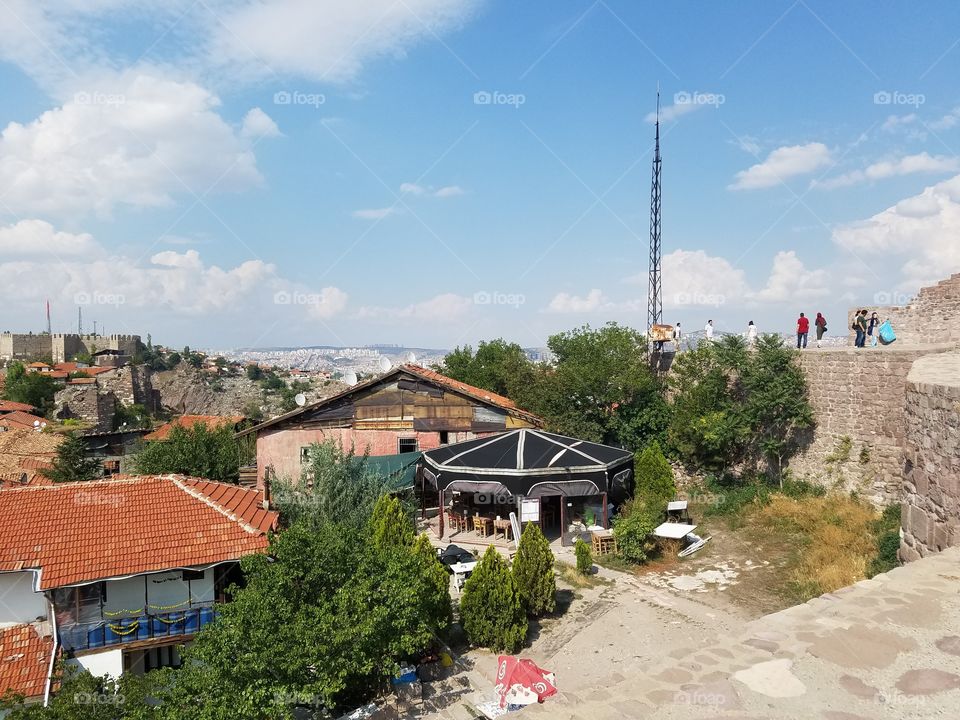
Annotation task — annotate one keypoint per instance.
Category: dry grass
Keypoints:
(569, 575)
(833, 535)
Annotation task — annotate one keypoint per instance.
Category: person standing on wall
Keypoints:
(803, 329)
(708, 330)
(677, 336)
(821, 324)
(874, 322)
(861, 327)
(751, 334)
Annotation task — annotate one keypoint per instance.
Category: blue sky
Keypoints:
(435, 172)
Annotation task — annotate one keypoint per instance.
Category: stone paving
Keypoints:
(888, 647)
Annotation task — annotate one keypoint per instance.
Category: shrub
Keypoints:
(584, 557)
(653, 476)
(491, 610)
(633, 531)
(71, 463)
(436, 582)
(533, 572)
(389, 524)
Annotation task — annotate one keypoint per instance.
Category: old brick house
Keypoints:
(407, 409)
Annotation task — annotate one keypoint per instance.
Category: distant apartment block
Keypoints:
(60, 347)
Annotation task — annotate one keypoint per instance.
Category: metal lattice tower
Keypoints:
(654, 289)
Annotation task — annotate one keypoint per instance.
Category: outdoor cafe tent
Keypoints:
(530, 463)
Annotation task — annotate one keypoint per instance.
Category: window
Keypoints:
(189, 575)
(444, 437)
(304, 454)
(405, 445)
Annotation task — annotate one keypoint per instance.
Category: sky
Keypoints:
(432, 173)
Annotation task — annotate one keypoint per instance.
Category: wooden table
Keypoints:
(502, 524)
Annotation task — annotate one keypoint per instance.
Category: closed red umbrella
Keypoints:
(521, 682)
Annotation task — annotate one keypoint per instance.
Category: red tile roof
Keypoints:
(457, 386)
(7, 406)
(38, 365)
(16, 478)
(188, 421)
(24, 660)
(23, 418)
(127, 525)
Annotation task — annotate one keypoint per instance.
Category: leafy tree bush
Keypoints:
(36, 389)
(491, 609)
(71, 463)
(254, 372)
(390, 526)
(198, 451)
(498, 366)
(436, 596)
(887, 531)
(335, 486)
(633, 528)
(533, 572)
(328, 617)
(584, 557)
(131, 417)
(653, 476)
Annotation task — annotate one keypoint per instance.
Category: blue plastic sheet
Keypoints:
(887, 335)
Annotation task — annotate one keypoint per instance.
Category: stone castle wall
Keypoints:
(930, 516)
(60, 347)
(859, 400)
(932, 317)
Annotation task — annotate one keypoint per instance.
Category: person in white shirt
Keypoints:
(751, 334)
(677, 336)
(708, 330)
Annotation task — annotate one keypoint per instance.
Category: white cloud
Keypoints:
(782, 164)
(409, 188)
(374, 213)
(895, 122)
(692, 277)
(257, 124)
(447, 307)
(908, 165)
(791, 281)
(131, 140)
(684, 103)
(37, 238)
(327, 303)
(923, 228)
(567, 303)
(948, 121)
(325, 40)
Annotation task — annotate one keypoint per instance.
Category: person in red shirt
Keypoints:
(803, 327)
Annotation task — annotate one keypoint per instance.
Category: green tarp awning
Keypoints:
(399, 471)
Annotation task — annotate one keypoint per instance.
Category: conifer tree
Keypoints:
(491, 610)
(533, 572)
(653, 476)
(389, 524)
(436, 583)
(72, 464)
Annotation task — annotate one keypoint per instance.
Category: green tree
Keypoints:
(390, 526)
(36, 389)
(335, 486)
(197, 451)
(491, 609)
(436, 582)
(131, 417)
(777, 407)
(71, 463)
(633, 528)
(584, 557)
(326, 620)
(601, 388)
(533, 572)
(173, 359)
(497, 365)
(254, 372)
(653, 476)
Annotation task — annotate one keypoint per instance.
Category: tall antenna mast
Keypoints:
(655, 290)
(49, 328)
(79, 321)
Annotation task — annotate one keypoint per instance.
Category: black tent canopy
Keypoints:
(530, 463)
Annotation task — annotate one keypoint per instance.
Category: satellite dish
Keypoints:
(350, 378)
(410, 358)
(300, 399)
(36, 423)
(385, 363)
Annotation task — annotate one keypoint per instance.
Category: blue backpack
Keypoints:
(887, 335)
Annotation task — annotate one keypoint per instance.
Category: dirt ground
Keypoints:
(636, 618)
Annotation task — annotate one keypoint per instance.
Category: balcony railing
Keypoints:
(137, 628)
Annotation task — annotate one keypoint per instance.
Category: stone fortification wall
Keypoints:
(931, 479)
(932, 317)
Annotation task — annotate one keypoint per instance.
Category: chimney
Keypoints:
(266, 492)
